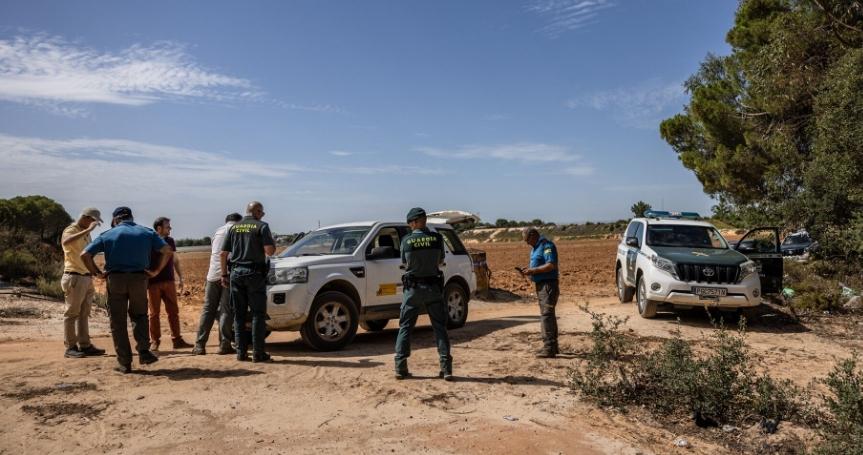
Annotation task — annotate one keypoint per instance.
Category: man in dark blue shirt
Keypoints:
(127, 248)
(543, 271)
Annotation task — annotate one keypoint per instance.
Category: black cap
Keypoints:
(415, 213)
(122, 211)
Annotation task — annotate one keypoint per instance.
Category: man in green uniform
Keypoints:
(248, 243)
(422, 253)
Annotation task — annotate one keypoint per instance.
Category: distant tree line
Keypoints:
(195, 242)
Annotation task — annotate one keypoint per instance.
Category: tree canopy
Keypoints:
(774, 130)
(640, 208)
(35, 214)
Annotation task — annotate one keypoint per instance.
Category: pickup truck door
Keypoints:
(384, 275)
(762, 246)
(632, 254)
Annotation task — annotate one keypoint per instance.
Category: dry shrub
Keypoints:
(818, 284)
(49, 287)
(671, 380)
(842, 428)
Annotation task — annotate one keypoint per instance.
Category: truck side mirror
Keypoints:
(632, 241)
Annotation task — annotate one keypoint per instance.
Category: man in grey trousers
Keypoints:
(127, 248)
(217, 299)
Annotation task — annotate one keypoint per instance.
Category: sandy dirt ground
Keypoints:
(504, 400)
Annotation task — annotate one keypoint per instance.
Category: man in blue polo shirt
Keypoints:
(543, 271)
(127, 248)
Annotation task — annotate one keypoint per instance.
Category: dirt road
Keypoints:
(504, 401)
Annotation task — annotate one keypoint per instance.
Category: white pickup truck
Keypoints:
(338, 277)
(673, 260)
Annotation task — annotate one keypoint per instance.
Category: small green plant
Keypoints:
(842, 430)
(609, 341)
(669, 372)
(49, 287)
(601, 378)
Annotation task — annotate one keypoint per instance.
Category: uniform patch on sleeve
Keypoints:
(547, 251)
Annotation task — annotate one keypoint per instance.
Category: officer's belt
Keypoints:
(426, 280)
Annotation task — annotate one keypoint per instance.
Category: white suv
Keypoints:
(339, 277)
(670, 259)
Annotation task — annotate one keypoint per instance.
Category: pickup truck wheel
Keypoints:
(375, 325)
(624, 292)
(646, 308)
(332, 322)
(455, 298)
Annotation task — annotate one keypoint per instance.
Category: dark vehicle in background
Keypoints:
(798, 244)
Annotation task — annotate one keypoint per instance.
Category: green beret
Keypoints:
(415, 213)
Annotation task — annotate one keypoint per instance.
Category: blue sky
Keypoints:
(337, 111)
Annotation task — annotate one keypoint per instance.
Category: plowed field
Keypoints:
(586, 269)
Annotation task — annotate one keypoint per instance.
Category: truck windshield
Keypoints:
(685, 236)
(341, 240)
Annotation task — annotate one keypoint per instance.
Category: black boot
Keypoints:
(261, 357)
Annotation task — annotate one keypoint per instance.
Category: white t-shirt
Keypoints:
(215, 271)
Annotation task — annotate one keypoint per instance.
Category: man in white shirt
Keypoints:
(216, 297)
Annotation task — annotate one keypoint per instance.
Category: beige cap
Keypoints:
(92, 212)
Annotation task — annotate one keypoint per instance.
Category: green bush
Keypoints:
(843, 428)
(16, 264)
(716, 387)
(818, 284)
(49, 287)
(609, 344)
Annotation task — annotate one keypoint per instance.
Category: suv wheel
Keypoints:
(456, 301)
(332, 322)
(646, 308)
(624, 292)
(374, 325)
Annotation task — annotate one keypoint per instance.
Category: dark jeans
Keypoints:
(127, 297)
(548, 292)
(414, 301)
(249, 293)
(217, 302)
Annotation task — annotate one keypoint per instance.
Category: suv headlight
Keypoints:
(665, 265)
(748, 268)
(289, 275)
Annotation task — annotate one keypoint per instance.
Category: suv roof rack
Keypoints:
(660, 214)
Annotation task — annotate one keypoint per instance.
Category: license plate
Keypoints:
(709, 293)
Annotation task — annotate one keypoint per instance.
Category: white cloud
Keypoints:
(196, 187)
(641, 106)
(579, 171)
(524, 152)
(323, 108)
(391, 169)
(566, 15)
(340, 153)
(45, 70)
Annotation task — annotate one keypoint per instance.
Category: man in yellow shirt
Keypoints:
(77, 284)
